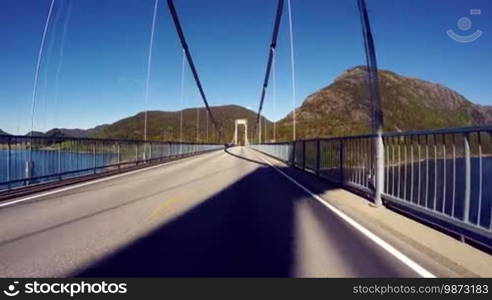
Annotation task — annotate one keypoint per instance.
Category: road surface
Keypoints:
(218, 214)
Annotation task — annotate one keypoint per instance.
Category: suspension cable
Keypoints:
(377, 114)
(273, 44)
(183, 62)
(149, 63)
(38, 65)
(179, 30)
(197, 124)
(292, 64)
(274, 93)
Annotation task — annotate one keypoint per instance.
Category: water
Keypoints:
(437, 185)
(440, 185)
(48, 162)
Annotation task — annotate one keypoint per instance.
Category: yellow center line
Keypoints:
(166, 206)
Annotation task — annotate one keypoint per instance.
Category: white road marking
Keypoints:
(379, 241)
(9, 203)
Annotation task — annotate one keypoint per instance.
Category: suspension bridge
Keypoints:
(376, 205)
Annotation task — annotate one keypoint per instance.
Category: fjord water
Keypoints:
(48, 162)
(439, 185)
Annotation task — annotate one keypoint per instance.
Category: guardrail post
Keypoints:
(161, 150)
(303, 155)
(318, 156)
(293, 158)
(466, 206)
(94, 156)
(136, 154)
(59, 162)
(379, 172)
(8, 161)
(119, 154)
(28, 171)
(341, 158)
(29, 164)
(144, 153)
(150, 151)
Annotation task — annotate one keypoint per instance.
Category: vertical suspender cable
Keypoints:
(182, 101)
(179, 30)
(149, 63)
(197, 123)
(60, 62)
(273, 44)
(266, 129)
(274, 94)
(292, 64)
(263, 127)
(259, 130)
(29, 163)
(38, 65)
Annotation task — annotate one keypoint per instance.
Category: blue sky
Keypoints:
(94, 66)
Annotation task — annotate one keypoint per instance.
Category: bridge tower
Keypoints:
(243, 122)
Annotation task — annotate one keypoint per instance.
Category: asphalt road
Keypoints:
(219, 214)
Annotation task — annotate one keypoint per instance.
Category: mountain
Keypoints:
(59, 132)
(77, 133)
(63, 132)
(162, 125)
(488, 108)
(343, 107)
(35, 133)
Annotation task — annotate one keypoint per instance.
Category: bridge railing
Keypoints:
(443, 176)
(25, 160)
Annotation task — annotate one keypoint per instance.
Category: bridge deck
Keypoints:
(218, 214)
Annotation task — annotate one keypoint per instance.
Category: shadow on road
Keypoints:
(245, 158)
(251, 229)
(234, 233)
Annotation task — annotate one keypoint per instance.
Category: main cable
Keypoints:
(293, 73)
(179, 30)
(372, 68)
(273, 45)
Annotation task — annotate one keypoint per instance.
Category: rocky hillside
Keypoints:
(408, 103)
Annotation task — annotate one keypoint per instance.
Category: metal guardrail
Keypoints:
(26, 160)
(443, 174)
